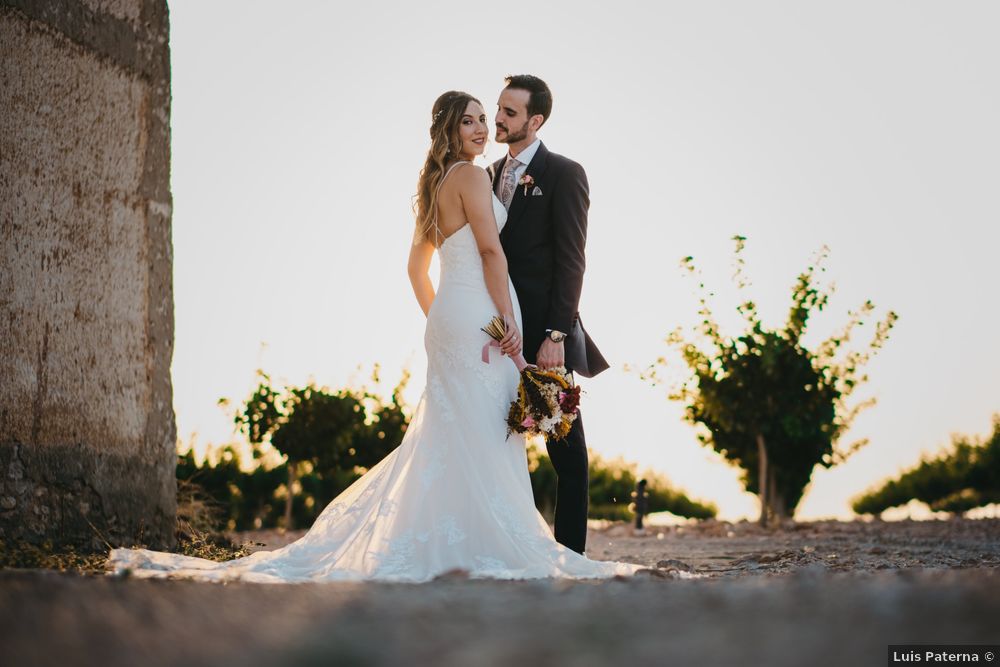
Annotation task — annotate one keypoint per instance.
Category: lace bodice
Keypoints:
(459, 253)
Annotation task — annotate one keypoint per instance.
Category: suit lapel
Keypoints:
(535, 169)
(497, 170)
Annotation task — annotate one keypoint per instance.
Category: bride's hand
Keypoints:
(511, 344)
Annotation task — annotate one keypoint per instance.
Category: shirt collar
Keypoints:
(525, 156)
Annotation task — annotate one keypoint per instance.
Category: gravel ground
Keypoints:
(822, 593)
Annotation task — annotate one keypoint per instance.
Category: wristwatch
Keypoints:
(555, 336)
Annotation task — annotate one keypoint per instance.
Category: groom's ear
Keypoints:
(536, 122)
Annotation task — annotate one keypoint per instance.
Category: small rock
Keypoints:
(747, 559)
(674, 564)
(770, 558)
(8, 502)
(748, 562)
(655, 574)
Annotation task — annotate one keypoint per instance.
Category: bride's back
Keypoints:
(451, 217)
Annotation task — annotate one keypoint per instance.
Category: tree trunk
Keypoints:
(775, 500)
(288, 496)
(762, 479)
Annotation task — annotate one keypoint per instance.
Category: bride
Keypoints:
(456, 493)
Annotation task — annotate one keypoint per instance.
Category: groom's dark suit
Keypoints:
(544, 240)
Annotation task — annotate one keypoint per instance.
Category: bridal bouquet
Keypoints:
(546, 400)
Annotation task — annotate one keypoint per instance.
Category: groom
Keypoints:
(547, 198)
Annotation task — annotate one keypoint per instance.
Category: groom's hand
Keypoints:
(550, 355)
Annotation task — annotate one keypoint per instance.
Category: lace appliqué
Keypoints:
(387, 507)
(456, 354)
(396, 559)
(337, 510)
(491, 564)
(461, 263)
(447, 527)
(433, 470)
(513, 525)
(435, 388)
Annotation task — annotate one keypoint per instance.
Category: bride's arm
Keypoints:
(420, 262)
(477, 201)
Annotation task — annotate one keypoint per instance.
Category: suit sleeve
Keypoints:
(571, 201)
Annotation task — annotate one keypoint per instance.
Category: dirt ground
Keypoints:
(724, 549)
(818, 593)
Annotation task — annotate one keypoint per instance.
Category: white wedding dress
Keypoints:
(454, 494)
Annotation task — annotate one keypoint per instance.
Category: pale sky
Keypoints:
(868, 126)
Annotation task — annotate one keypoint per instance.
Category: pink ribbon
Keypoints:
(518, 360)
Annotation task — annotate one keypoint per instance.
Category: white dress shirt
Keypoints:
(524, 157)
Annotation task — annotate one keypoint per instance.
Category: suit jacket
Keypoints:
(544, 240)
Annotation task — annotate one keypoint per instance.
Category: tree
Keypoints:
(337, 434)
(610, 489)
(963, 478)
(763, 400)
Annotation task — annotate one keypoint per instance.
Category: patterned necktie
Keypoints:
(507, 182)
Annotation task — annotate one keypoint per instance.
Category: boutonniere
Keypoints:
(527, 181)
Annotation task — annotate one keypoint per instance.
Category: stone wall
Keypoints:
(87, 433)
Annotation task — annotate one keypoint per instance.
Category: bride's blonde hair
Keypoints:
(446, 121)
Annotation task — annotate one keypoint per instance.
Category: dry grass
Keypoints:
(198, 532)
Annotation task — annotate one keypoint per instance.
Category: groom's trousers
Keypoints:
(569, 458)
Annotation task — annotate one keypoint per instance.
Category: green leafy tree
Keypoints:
(336, 435)
(766, 402)
(317, 426)
(386, 427)
(962, 478)
(610, 490)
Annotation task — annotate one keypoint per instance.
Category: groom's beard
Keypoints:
(513, 138)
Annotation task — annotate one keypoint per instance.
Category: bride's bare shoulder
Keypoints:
(469, 175)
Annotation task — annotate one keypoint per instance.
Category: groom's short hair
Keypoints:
(539, 95)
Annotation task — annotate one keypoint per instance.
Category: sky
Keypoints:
(868, 127)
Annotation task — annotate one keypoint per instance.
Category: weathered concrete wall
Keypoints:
(87, 431)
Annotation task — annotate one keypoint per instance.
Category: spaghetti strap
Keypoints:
(434, 220)
(454, 164)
